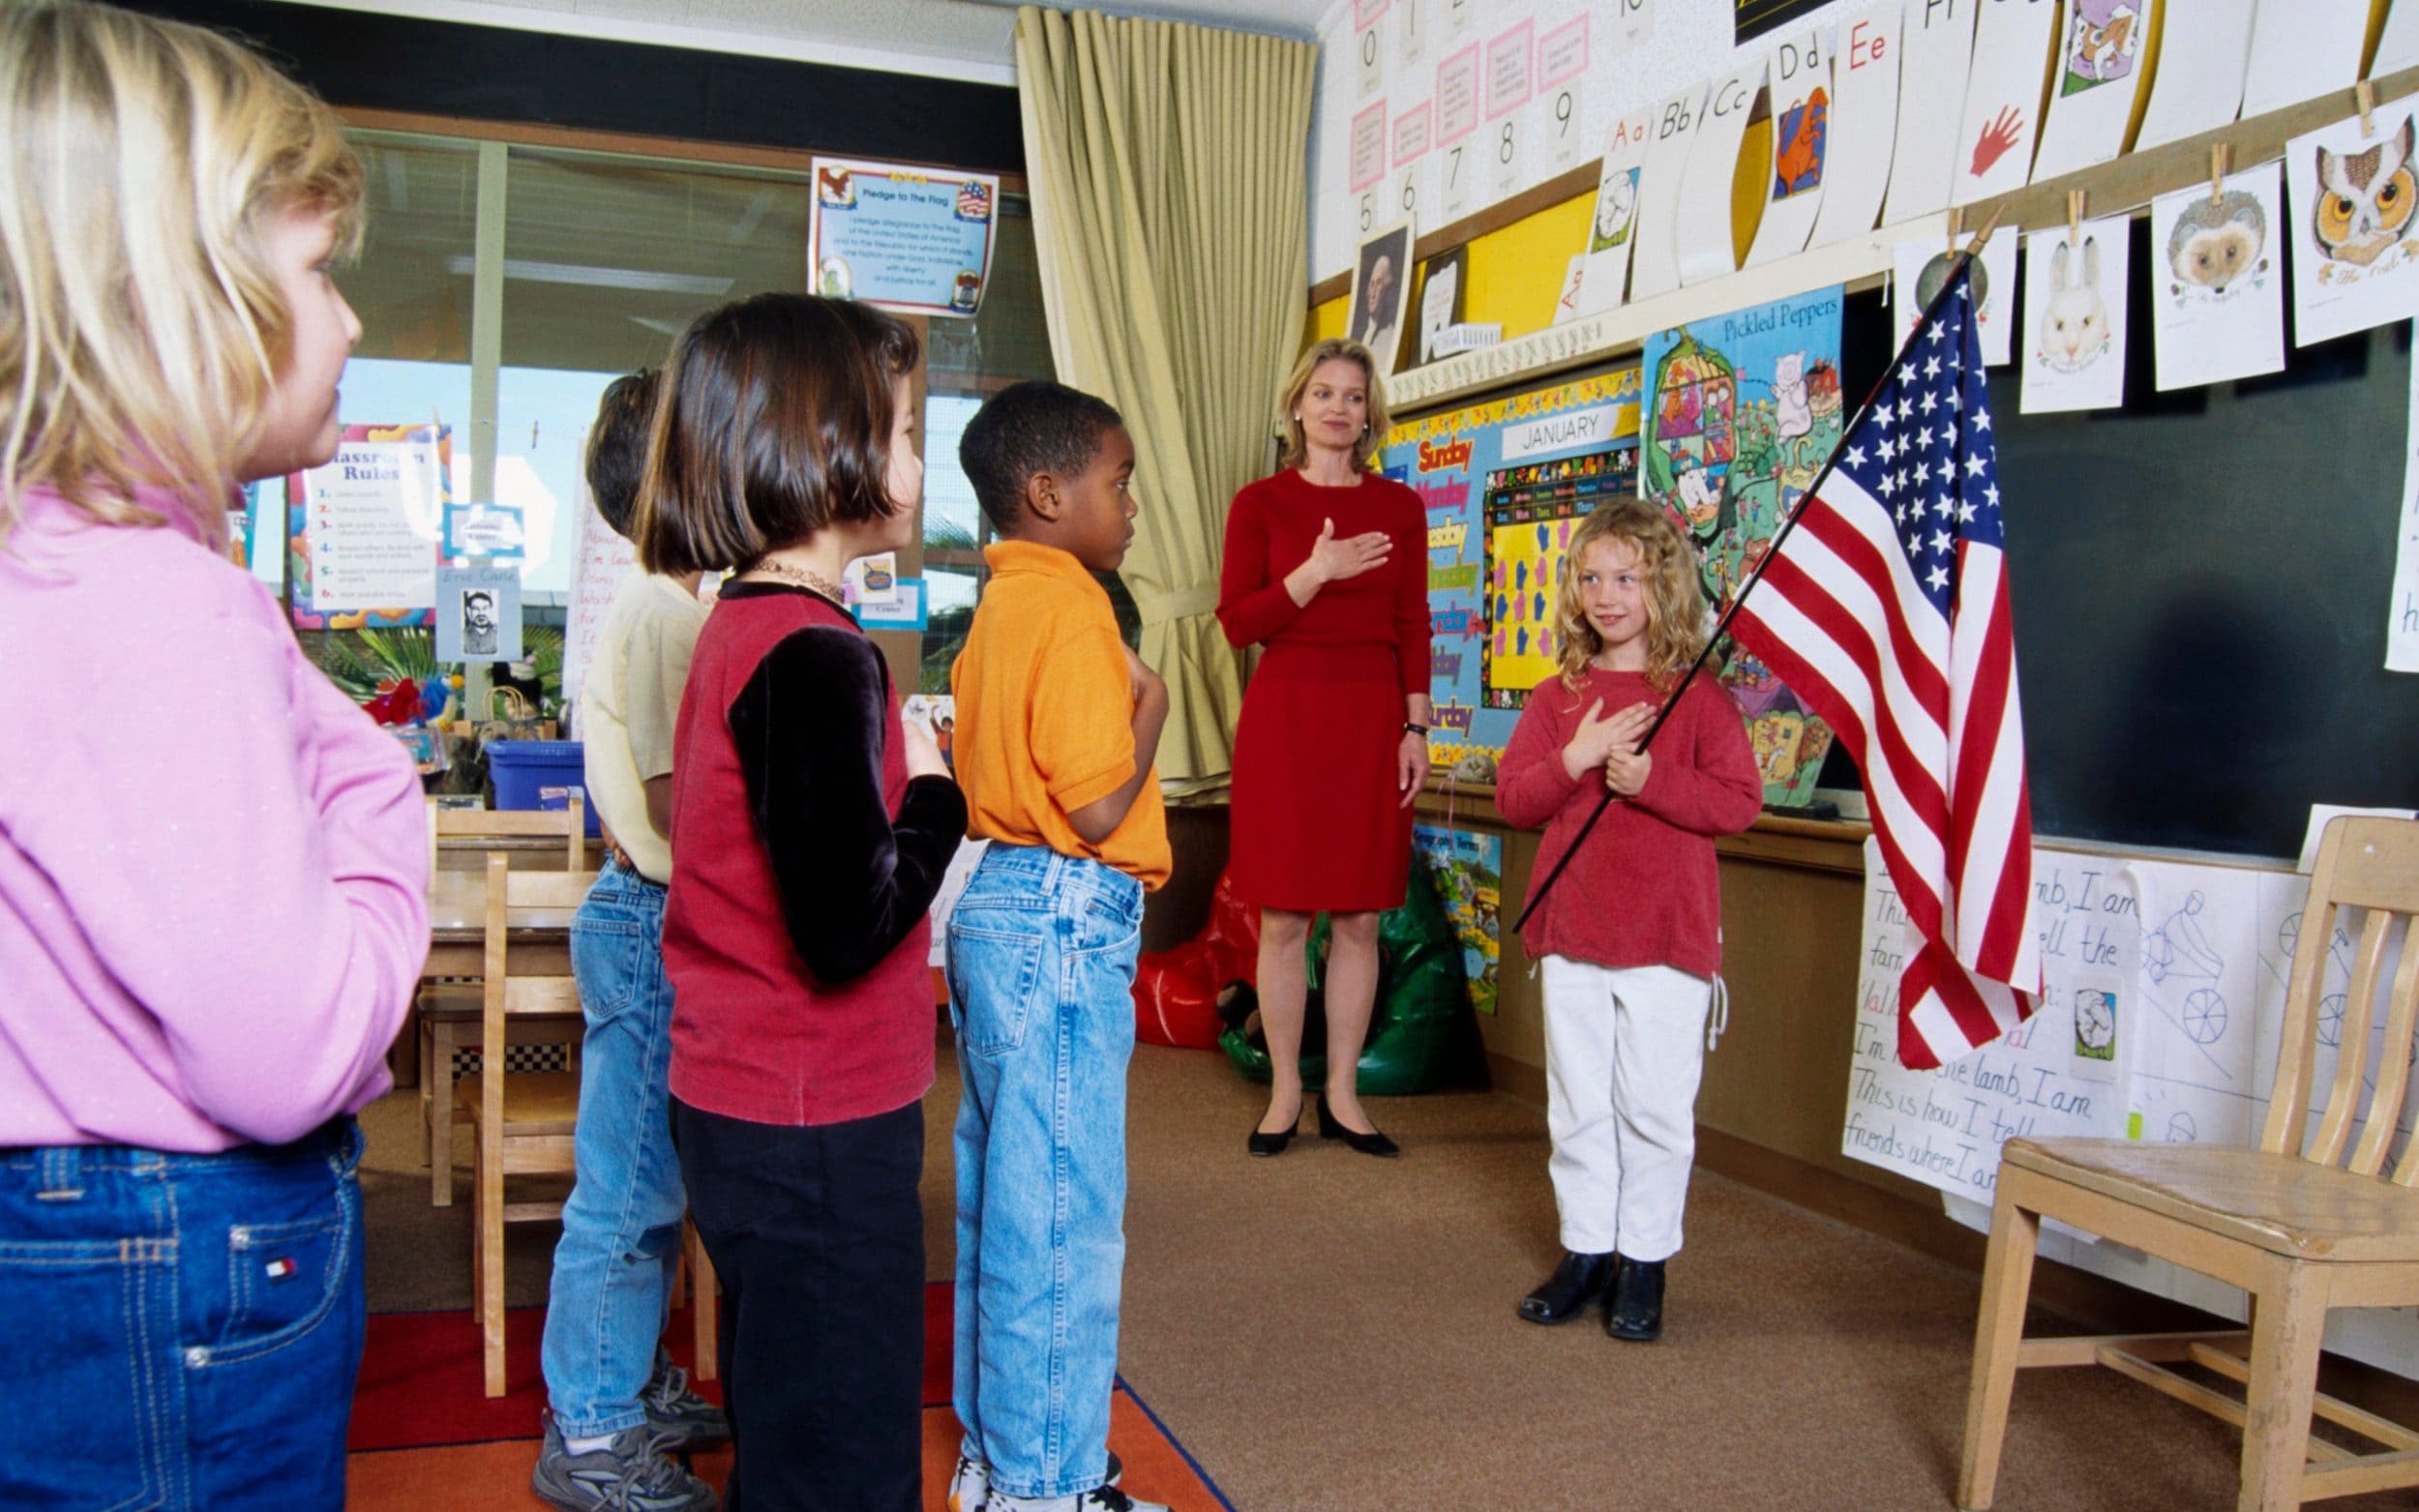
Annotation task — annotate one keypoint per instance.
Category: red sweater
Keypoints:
(1643, 891)
(804, 863)
(1270, 531)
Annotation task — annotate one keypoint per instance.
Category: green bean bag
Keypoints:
(1421, 1035)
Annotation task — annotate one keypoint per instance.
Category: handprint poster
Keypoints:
(2075, 299)
(2002, 99)
(1739, 413)
(1922, 270)
(2352, 194)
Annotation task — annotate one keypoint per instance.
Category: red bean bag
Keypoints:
(1176, 992)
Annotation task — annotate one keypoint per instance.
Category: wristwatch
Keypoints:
(1420, 731)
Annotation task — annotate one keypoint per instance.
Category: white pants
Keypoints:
(1623, 1052)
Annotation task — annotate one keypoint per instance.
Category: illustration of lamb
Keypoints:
(2074, 328)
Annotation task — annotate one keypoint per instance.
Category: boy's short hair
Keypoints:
(1028, 427)
(617, 455)
(773, 423)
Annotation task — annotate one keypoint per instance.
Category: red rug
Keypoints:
(426, 1434)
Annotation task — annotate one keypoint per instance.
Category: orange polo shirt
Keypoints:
(1045, 714)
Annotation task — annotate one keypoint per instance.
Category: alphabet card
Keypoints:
(2302, 49)
(2074, 315)
(2002, 119)
(2217, 287)
(2093, 84)
(1612, 234)
(1931, 99)
(2199, 83)
(1706, 230)
(1800, 81)
(1864, 122)
(1922, 267)
(2352, 197)
(1656, 267)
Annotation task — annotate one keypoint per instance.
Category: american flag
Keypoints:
(1887, 611)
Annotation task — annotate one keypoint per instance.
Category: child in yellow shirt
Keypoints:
(1057, 726)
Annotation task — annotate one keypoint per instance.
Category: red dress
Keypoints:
(1317, 821)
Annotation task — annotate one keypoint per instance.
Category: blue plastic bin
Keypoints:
(537, 774)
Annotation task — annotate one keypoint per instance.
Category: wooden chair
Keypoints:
(2292, 1222)
(522, 1119)
(449, 1011)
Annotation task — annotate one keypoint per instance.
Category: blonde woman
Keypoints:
(212, 865)
(1630, 940)
(1326, 566)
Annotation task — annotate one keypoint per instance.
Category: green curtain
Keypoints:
(1170, 201)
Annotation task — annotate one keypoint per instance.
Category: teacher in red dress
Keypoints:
(1326, 567)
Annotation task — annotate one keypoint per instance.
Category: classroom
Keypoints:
(1795, 610)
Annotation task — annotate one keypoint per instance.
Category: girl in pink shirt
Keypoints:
(1630, 941)
(213, 866)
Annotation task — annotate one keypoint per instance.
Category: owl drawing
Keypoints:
(2364, 199)
(2217, 241)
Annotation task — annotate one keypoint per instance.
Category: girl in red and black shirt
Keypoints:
(809, 830)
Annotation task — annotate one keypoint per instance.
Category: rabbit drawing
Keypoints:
(2074, 327)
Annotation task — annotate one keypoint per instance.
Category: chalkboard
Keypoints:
(2201, 586)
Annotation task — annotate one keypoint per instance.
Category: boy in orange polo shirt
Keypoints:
(1057, 726)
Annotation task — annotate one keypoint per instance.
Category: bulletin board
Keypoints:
(1505, 482)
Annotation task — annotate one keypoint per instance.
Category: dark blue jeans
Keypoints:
(183, 1330)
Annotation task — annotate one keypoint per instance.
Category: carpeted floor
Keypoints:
(1327, 1332)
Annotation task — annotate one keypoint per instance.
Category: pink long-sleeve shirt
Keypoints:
(213, 866)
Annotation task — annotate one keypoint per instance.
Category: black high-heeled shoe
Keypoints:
(1274, 1143)
(1370, 1144)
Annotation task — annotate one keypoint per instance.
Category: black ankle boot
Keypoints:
(1636, 1312)
(1579, 1280)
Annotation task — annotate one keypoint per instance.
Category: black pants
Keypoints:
(818, 1237)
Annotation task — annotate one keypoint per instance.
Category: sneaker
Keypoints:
(680, 1418)
(627, 1475)
(1100, 1498)
(969, 1484)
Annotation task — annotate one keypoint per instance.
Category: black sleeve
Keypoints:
(810, 728)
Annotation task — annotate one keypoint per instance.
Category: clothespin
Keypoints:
(2075, 217)
(2218, 154)
(2365, 94)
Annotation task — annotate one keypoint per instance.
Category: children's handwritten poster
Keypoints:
(2302, 49)
(2354, 194)
(1864, 122)
(1939, 43)
(2093, 82)
(1922, 267)
(2060, 1073)
(604, 558)
(1661, 190)
(1741, 413)
(2002, 117)
(1466, 870)
(1801, 79)
(363, 529)
(1706, 235)
(2401, 632)
(2075, 314)
(2200, 82)
(1503, 482)
(909, 239)
(2216, 279)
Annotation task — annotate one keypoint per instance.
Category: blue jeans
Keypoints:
(183, 1330)
(621, 1227)
(1041, 979)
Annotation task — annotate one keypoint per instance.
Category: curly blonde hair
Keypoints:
(1675, 600)
(1297, 448)
(142, 165)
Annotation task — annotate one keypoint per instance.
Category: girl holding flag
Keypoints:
(1631, 950)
